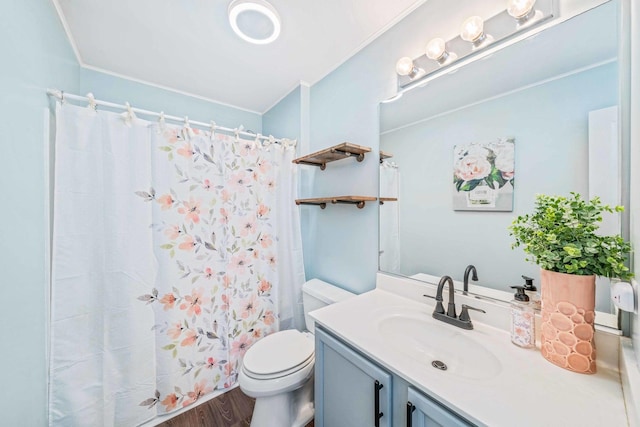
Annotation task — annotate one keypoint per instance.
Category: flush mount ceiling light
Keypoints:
(255, 21)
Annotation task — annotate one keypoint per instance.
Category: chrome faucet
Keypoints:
(467, 271)
(464, 321)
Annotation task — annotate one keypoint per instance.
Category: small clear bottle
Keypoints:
(523, 320)
(532, 293)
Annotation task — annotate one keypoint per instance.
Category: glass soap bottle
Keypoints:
(523, 320)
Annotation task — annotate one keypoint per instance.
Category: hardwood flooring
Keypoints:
(231, 409)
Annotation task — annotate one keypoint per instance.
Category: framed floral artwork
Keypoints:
(483, 176)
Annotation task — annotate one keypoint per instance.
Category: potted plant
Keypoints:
(561, 236)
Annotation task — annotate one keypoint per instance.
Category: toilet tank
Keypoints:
(317, 294)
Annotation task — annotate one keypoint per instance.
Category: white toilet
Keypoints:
(278, 369)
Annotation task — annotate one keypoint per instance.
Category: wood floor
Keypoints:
(231, 409)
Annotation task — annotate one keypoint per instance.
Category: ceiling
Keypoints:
(188, 45)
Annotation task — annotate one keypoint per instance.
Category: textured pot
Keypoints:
(568, 313)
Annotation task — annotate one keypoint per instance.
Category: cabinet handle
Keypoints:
(376, 395)
(410, 408)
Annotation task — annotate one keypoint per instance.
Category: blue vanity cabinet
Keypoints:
(350, 391)
(424, 412)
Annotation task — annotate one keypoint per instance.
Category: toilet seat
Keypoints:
(278, 355)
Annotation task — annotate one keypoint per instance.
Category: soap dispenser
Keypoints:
(532, 292)
(523, 319)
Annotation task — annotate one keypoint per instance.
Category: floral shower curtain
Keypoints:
(174, 250)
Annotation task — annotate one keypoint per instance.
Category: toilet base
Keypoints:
(293, 408)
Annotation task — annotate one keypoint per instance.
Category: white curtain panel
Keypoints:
(174, 250)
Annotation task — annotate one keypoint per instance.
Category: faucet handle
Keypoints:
(439, 307)
(464, 314)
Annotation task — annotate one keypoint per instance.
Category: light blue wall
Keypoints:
(35, 55)
(283, 119)
(550, 126)
(341, 242)
(114, 89)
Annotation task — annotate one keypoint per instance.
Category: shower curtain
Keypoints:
(174, 250)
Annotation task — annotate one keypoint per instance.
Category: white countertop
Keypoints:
(527, 390)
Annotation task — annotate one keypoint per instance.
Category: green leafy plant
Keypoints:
(560, 235)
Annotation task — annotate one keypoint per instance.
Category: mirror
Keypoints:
(553, 93)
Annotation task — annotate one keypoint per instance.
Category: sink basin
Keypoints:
(425, 339)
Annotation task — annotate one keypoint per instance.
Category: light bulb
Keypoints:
(519, 9)
(436, 49)
(472, 29)
(404, 66)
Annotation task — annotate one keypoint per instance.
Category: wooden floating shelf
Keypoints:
(387, 199)
(359, 201)
(331, 154)
(385, 155)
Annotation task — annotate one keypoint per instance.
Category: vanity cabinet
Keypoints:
(350, 390)
(425, 412)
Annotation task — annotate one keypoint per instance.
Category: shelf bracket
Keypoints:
(359, 157)
(322, 166)
(358, 203)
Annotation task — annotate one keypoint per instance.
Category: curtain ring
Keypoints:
(187, 127)
(213, 130)
(92, 102)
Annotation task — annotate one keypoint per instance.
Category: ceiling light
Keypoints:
(473, 30)
(405, 67)
(255, 21)
(521, 9)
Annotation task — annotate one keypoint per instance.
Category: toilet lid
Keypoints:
(278, 352)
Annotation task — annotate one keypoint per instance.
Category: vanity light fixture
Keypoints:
(406, 67)
(522, 10)
(441, 56)
(437, 50)
(255, 21)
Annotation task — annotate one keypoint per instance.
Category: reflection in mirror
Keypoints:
(556, 95)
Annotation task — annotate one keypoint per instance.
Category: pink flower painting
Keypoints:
(483, 175)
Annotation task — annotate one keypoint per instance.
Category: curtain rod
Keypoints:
(63, 96)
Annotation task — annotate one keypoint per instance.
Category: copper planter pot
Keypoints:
(568, 314)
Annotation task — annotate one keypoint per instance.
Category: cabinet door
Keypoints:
(350, 391)
(424, 412)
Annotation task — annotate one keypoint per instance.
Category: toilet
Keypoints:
(278, 369)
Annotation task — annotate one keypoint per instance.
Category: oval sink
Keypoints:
(426, 340)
